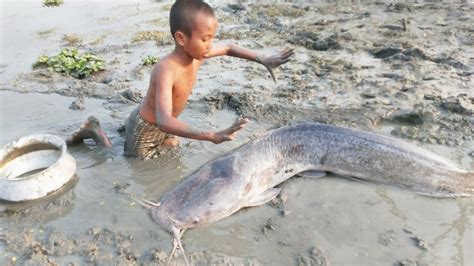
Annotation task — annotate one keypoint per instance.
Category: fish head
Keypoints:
(207, 195)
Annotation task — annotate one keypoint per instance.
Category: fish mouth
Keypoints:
(172, 226)
(165, 220)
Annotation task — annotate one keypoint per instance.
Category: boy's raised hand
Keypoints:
(229, 133)
(274, 61)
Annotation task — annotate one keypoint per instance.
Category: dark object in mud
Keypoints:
(407, 262)
(91, 129)
(399, 53)
(236, 7)
(461, 104)
(132, 95)
(409, 117)
(385, 52)
(420, 242)
(77, 104)
(312, 41)
(399, 7)
(394, 27)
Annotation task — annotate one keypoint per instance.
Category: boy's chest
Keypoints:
(182, 88)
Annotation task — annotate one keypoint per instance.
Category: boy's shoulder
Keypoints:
(164, 65)
(164, 61)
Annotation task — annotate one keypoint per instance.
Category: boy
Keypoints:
(154, 122)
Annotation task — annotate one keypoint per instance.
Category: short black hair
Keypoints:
(183, 12)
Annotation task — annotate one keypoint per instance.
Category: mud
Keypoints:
(400, 69)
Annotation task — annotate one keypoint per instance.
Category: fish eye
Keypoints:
(196, 221)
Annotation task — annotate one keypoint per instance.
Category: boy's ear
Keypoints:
(180, 37)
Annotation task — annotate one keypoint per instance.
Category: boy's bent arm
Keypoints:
(171, 125)
(233, 50)
(164, 109)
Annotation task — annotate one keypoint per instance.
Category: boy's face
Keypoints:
(199, 43)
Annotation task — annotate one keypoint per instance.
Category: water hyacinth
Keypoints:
(150, 60)
(52, 3)
(71, 63)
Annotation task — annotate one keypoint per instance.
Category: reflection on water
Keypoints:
(45, 209)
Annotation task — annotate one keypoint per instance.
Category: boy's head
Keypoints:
(193, 26)
(183, 14)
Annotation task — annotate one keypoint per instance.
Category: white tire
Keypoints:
(33, 167)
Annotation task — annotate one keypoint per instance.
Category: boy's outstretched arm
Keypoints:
(171, 125)
(270, 62)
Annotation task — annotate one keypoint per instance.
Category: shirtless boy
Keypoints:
(154, 122)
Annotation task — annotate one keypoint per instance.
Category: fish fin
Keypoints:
(264, 197)
(146, 203)
(312, 174)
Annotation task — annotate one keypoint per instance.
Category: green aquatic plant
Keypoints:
(150, 60)
(52, 3)
(70, 63)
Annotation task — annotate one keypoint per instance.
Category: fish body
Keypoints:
(247, 176)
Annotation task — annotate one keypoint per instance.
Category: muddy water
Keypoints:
(346, 221)
(424, 99)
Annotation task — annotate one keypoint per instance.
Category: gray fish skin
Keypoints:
(240, 178)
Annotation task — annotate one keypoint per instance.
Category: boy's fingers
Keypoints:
(238, 125)
(288, 51)
(237, 128)
(242, 121)
(245, 120)
(286, 60)
(288, 55)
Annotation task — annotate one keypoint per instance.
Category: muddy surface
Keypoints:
(399, 69)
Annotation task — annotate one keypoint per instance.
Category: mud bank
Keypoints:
(399, 69)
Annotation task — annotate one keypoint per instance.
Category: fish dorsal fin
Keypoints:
(263, 198)
(312, 174)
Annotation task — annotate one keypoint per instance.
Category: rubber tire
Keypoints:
(20, 161)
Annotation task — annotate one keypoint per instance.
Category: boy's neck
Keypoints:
(181, 56)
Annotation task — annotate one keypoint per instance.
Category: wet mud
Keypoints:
(399, 69)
